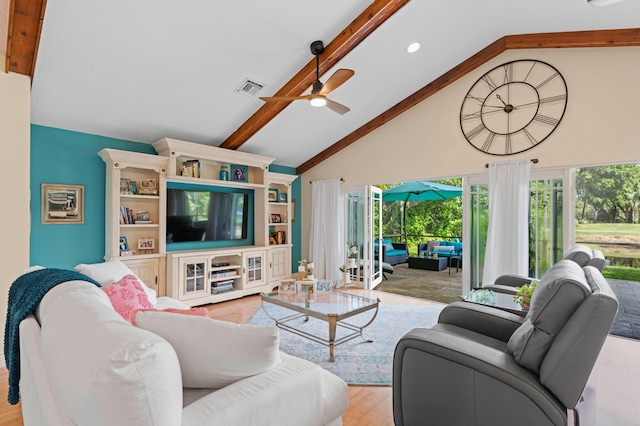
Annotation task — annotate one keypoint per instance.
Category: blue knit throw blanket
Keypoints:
(24, 295)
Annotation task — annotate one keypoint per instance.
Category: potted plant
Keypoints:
(524, 293)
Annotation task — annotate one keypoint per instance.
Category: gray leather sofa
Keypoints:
(582, 255)
(482, 366)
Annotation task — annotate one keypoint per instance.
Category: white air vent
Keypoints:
(250, 87)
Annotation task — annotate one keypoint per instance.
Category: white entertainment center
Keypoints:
(196, 276)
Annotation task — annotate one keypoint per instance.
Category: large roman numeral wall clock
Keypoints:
(513, 107)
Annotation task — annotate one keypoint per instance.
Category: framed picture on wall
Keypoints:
(62, 203)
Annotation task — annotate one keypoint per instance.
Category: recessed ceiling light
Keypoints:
(598, 3)
(413, 47)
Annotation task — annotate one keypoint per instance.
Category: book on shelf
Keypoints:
(222, 283)
(126, 216)
(222, 289)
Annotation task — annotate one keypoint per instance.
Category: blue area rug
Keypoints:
(356, 362)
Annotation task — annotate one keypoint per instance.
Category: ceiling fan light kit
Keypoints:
(319, 91)
(318, 101)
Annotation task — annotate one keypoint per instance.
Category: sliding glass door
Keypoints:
(546, 224)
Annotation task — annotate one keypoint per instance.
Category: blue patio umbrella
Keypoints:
(419, 191)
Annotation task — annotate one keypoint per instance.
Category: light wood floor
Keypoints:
(610, 398)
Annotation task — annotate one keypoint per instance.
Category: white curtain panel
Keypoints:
(507, 249)
(326, 242)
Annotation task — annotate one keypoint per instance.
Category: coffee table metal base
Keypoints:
(334, 321)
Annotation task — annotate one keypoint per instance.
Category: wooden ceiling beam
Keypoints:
(601, 38)
(23, 35)
(367, 22)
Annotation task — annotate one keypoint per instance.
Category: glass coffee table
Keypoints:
(333, 307)
(495, 299)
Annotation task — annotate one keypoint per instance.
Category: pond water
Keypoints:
(629, 262)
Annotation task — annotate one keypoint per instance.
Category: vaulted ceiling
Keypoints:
(146, 70)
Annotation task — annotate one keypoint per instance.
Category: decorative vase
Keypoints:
(352, 263)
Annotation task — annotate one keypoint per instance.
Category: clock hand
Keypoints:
(500, 99)
(527, 104)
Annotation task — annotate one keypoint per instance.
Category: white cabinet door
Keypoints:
(280, 262)
(150, 271)
(254, 269)
(193, 278)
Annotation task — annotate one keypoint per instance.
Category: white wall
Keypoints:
(14, 174)
(600, 126)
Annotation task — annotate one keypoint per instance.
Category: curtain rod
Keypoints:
(533, 160)
(341, 179)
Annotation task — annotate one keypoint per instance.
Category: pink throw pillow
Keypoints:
(201, 312)
(127, 295)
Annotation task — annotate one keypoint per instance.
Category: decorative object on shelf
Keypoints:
(191, 168)
(239, 173)
(280, 237)
(523, 294)
(276, 218)
(124, 244)
(148, 187)
(224, 173)
(62, 203)
(125, 186)
(133, 187)
(287, 286)
(272, 196)
(323, 286)
(282, 197)
(513, 107)
(146, 244)
(143, 217)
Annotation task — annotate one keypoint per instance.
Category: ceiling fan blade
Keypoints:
(336, 107)
(284, 98)
(336, 80)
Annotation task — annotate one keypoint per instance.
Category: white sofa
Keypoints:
(83, 364)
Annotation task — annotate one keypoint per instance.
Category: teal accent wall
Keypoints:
(296, 230)
(66, 157)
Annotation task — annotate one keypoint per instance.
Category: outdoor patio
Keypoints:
(440, 286)
(437, 286)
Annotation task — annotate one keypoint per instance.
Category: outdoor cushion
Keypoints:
(443, 249)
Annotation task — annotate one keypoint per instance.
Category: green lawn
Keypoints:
(596, 235)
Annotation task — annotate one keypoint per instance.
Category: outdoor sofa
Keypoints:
(442, 249)
(392, 253)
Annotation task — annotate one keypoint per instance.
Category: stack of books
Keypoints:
(220, 287)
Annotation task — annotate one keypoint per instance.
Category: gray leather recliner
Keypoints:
(482, 366)
(582, 255)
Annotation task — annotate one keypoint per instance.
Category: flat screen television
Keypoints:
(206, 214)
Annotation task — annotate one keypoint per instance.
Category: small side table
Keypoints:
(457, 259)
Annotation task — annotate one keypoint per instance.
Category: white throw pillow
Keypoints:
(108, 273)
(212, 353)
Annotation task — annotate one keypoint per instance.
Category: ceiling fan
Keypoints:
(319, 92)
